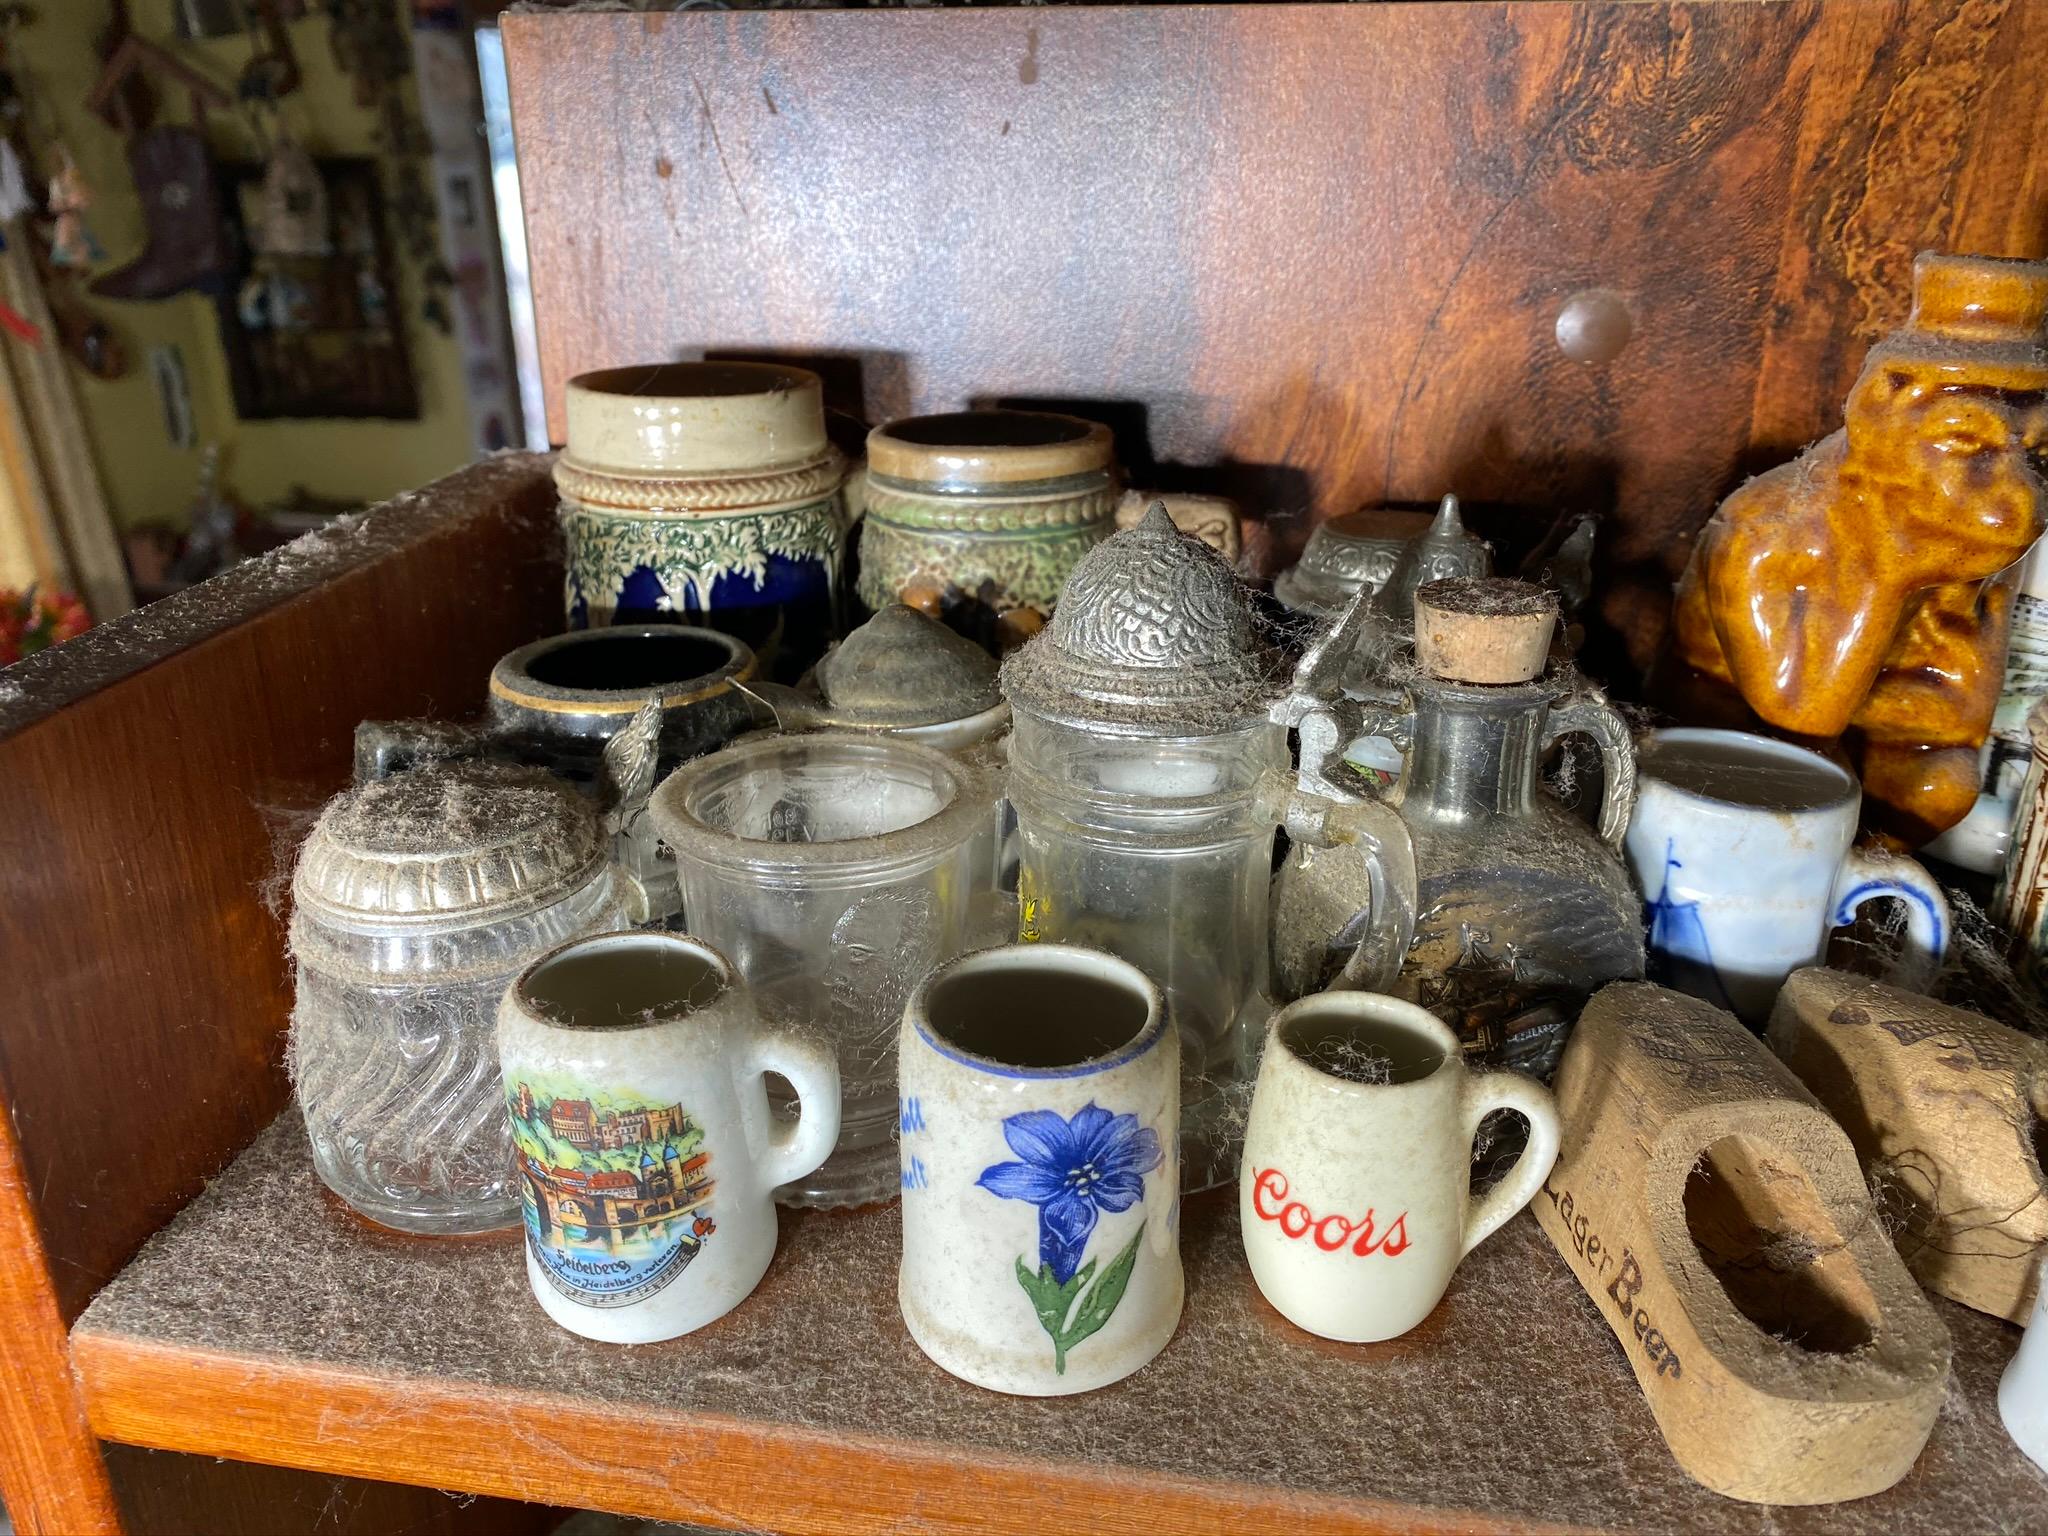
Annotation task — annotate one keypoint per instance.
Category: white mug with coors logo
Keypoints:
(647, 1152)
(1355, 1194)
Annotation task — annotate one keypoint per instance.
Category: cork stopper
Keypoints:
(1483, 629)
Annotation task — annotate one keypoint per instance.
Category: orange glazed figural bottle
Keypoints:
(1854, 593)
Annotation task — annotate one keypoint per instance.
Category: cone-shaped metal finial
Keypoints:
(1444, 550)
(1152, 635)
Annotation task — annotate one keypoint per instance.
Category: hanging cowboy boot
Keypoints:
(188, 244)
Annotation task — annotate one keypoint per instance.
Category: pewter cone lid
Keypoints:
(1152, 635)
(902, 668)
(1446, 549)
(453, 843)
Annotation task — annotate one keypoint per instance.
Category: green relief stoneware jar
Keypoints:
(996, 506)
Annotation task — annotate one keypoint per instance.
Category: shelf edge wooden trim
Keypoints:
(50, 1466)
(656, 1464)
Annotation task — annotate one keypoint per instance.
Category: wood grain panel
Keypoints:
(726, 1474)
(1312, 255)
(158, 771)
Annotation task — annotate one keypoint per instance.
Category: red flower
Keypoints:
(30, 621)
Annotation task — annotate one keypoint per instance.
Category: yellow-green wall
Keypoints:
(145, 477)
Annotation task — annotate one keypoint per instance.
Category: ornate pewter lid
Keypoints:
(1358, 549)
(1445, 550)
(1152, 636)
(445, 845)
(902, 668)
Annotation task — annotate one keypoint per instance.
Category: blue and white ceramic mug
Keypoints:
(1040, 1121)
(1744, 849)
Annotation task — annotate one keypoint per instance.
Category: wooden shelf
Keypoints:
(267, 1324)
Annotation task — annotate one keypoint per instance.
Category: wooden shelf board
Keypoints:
(267, 1324)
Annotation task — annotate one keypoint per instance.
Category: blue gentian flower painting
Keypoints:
(1073, 1170)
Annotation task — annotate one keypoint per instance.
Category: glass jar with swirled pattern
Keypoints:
(416, 900)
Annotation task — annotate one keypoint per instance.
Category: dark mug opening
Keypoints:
(623, 981)
(1370, 1052)
(1041, 1017)
(608, 662)
(989, 429)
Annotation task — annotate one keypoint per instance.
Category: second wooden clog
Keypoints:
(1946, 1110)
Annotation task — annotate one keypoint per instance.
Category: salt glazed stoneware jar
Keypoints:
(1039, 1135)
(996, 506)
(634, 1075)
(708, 490)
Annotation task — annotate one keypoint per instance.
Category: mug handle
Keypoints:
(1377, 830)
(1866, 875)
(1484, 1093)
(1589, 714)
(812, 1069)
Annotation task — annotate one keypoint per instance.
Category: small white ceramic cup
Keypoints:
(648, 1156)
(1040, 1117)
(2023, 1389)
(1355, 1195)
(1743, 848)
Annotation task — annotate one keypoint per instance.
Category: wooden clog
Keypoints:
(1718, 1219)
(1945, 1108)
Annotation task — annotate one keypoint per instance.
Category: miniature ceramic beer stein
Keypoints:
(709, 490)
(1356, 1196)
(1743, 847)
(648, 1156)
(1039, 1123)
(996, 505)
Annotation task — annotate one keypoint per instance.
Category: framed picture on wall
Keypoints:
(316, 329)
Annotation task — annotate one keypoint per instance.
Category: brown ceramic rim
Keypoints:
(943, 450)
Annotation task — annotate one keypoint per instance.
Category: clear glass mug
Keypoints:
(834, 868)
(1160, 850)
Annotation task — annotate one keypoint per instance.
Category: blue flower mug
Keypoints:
(1744, 850)
(1039, 1115)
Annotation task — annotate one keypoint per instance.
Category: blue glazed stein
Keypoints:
(705, 493)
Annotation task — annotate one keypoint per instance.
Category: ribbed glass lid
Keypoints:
(461, 842)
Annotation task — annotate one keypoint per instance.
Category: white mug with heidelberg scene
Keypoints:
(648, 1154)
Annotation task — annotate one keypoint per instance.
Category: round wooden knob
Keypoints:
(1483, 630)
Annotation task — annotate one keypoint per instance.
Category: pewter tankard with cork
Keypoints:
(1523, 909)
(1149, 775)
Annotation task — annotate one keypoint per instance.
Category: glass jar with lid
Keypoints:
(1149, 771)
(416, 900)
